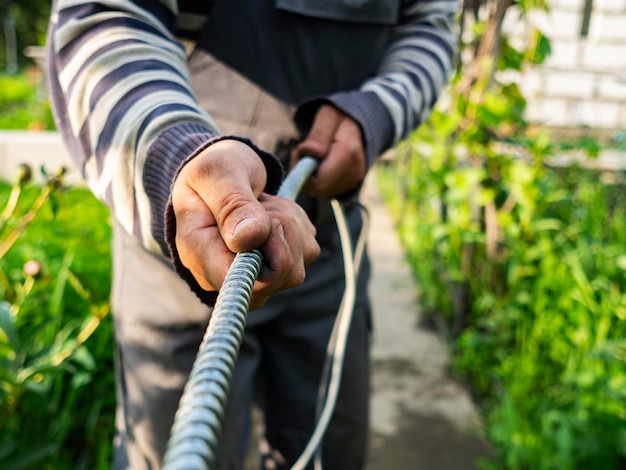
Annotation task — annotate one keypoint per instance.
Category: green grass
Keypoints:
(24, 102)
(57, 393)
(545, 315)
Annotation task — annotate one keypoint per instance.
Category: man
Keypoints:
(339, 80)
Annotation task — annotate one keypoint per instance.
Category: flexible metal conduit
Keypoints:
(195, 434)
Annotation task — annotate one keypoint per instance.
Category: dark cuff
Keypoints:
(166, 157)
(366, 109)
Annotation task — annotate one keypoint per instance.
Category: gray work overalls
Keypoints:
(159, 322)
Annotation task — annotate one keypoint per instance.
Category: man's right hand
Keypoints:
(221, 209)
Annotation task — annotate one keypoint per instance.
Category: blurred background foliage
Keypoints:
(23, 98)
(520, 262)
(57, 395)
(24, 24)
(23, 104)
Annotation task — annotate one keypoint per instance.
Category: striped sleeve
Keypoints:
(119, 83)
(122, 99)
(414, 70)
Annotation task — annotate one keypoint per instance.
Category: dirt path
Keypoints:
(422, 417)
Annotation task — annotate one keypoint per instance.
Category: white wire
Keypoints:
(360, 245)
(330, 351)
(338, 339)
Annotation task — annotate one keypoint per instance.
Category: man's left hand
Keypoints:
(336, 141)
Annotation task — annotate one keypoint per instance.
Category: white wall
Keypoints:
(583, 82)
(35, 148)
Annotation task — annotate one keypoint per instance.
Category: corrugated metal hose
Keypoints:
(197, 425)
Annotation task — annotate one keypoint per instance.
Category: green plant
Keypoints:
(28, 19)
(56, 388)
(522, 264)
(23, 102)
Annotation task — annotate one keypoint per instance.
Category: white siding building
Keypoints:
(583, 82)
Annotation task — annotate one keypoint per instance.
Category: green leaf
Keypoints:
(31, 374)
(547, 224)
(542, 48)
(7, 326)
(511, 58)
(56, 301)
(26, 459)
(83, 357)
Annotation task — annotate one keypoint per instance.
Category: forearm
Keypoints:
(417, 63)
(413, 72)
(118, 81)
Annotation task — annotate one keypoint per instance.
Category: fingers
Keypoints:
(344, 167)
(221, 187)
(322, 133)
(336, 140)
(209, 266)
(290, 247)
(215, 202)
(220, 209)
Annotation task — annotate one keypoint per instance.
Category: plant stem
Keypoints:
(10, 240)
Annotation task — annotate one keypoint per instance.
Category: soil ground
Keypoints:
(422, 416)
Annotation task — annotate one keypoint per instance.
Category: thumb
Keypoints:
(320, 137)
(228, 178)
(241, 219)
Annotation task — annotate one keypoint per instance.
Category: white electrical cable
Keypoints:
(360, 245)
(330, 351)
(327, 398)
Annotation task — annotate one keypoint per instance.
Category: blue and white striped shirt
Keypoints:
(122, 97)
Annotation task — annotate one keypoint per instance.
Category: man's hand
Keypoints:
(221, 210)
(335, 139)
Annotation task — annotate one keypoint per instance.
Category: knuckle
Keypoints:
(229, 204)
(296, 277)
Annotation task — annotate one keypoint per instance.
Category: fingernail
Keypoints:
(243, 225)
(281, 230)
